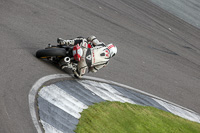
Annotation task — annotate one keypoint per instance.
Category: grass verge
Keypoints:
(116, 117)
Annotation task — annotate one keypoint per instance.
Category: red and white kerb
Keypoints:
(77, 52)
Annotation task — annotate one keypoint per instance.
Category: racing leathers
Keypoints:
(93, 58)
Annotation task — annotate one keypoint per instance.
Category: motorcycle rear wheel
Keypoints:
(45, 53)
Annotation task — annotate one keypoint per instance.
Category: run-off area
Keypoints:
(60, 104)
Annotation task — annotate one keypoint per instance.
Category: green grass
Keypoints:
(116, 117)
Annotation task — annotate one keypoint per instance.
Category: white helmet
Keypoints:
(113, 49)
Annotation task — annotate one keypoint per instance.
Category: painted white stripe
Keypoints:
(116, 93)
(96, 91)
(49, 128)
(62, 100)
(105, 91)
(179, 111)
(109, 88)
(65, 96)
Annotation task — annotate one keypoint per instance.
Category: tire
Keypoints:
(45, 53)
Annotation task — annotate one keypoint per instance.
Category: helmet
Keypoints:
(113, 49)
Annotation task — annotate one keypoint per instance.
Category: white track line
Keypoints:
(105, 91)
(179, 111)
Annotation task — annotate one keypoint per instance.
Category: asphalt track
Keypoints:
(157, 52)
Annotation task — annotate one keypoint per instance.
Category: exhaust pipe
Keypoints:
(67, 59)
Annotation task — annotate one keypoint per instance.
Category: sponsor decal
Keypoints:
(93, 56)
(89, 57)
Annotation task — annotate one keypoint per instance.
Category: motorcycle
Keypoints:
(63, 55)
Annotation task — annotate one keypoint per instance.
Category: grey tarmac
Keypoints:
(157, 52)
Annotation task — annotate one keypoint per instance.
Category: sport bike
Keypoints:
(66, 56)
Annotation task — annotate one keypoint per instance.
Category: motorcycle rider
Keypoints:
(90, 53)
